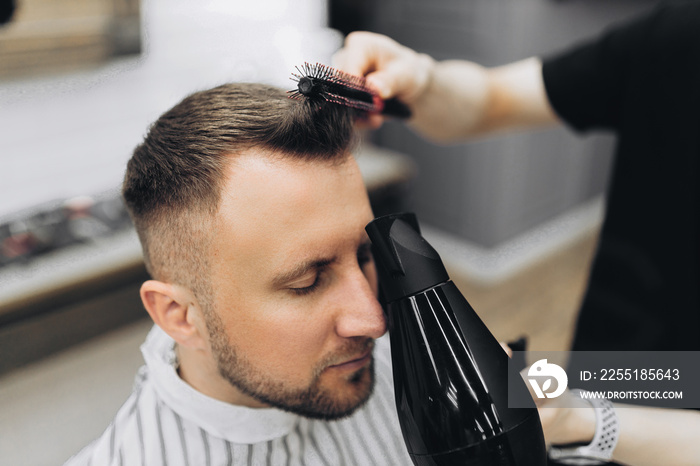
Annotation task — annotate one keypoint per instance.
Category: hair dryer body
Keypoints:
(450, 373)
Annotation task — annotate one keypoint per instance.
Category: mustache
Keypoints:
(351, 349)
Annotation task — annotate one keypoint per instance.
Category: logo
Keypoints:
(542, 369)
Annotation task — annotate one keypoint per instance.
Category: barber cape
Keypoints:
(167, 422)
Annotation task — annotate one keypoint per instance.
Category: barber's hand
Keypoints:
(506, 348)
(390, 68)
(566, 418)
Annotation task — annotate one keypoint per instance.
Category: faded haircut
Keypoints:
(173, 181)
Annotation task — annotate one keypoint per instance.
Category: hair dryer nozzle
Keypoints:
(398, 246)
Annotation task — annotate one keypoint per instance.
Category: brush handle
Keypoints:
(395, 108)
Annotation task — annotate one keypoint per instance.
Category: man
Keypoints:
(640, 80)
(251, 213)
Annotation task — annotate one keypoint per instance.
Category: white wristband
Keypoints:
(607, 431)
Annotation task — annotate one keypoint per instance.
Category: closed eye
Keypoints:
(304, 278)
(364, 254)
(310, 283)
(304, 290)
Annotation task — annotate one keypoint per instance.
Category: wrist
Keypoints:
(581, 422)
(599, 449)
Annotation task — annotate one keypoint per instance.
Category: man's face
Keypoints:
(294, 285)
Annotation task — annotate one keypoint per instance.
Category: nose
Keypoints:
(359, 313)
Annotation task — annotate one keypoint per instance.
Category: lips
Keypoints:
(354, 363)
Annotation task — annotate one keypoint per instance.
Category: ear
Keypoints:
(175, 309)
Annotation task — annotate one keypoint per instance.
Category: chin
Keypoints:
(337, 399)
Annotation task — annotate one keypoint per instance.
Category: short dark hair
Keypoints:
(173, 180)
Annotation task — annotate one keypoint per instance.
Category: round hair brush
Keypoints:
(321, 83)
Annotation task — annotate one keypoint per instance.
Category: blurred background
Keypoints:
(515, 217)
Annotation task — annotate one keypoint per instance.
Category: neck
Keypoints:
(198, 368)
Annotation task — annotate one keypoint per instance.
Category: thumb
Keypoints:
(382, 82)
(403, 79)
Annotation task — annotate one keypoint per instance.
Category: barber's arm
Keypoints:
(451, 100)
(647, 437)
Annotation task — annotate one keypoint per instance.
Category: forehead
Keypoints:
(276, 210)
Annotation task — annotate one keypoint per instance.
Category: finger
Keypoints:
(391, 69)
(367, 52)
(404, 78)
(360, 53)
(382, 83)
(370, 121)
(344, 60)
(375, 121)
(506, 348)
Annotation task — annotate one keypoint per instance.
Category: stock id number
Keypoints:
(639, 374)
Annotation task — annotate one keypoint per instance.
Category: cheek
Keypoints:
(282, 341)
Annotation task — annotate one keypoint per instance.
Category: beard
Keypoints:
(313, 401)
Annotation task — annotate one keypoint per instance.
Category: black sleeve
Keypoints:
(587, 85)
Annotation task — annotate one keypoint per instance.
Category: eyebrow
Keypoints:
(300, 270)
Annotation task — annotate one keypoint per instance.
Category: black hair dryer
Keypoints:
(450, 373)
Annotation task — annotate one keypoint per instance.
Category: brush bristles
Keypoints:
(338, 87)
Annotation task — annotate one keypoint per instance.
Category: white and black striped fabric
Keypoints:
(165, 422)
